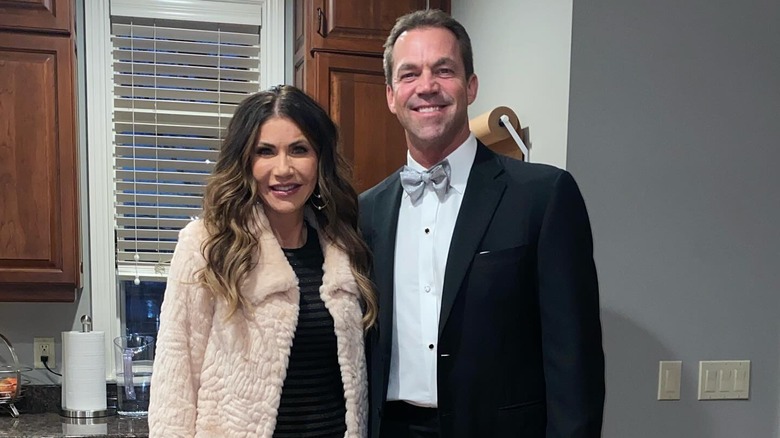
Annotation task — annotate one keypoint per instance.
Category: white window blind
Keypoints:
(176, 86)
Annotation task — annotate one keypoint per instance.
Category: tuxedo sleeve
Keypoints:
(570, 322)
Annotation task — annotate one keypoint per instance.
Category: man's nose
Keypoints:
(427, 83)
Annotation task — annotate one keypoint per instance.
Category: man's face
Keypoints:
(430, 92)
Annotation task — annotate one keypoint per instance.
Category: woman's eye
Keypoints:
(300, 150)
(264, 152)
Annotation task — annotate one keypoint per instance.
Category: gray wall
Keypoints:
(673, 137)
(521, 57)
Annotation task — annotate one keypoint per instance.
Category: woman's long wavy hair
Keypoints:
(231, 195)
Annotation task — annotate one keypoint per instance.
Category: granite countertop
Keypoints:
(53, 425)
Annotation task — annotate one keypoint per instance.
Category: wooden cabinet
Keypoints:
(338, 61)
(39, 226)
(54, 16)
(354, 25)
(353, 90)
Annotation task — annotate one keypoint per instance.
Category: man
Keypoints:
(488, 298)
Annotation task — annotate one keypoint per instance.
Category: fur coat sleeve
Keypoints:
(185, 320)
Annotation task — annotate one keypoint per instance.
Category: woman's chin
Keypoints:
(284, 207)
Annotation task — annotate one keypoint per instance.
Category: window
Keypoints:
(165, 78)
(176, 85)
(175, 88)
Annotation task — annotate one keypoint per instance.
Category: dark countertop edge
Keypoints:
(51, 425)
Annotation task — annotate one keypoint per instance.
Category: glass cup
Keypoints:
(134, 362)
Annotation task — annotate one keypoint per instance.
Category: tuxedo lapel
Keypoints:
(483, 193)
(385, 218)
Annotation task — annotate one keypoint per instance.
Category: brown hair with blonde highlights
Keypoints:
(231, 195)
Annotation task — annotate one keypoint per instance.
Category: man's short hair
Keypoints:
(422, 19)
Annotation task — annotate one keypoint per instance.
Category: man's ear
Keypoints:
(390, 98)
(471, 88)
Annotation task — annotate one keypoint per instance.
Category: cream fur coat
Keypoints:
(223, 378)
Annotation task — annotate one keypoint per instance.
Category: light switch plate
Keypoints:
(669, 375)
(724, 380)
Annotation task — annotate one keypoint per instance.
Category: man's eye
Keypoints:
(446, 72)
(406, 76)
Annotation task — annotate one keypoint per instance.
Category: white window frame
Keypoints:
(106, 315)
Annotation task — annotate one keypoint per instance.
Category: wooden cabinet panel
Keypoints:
(38, 171)
(357, 26)
(42, 15)
(352, 88)
(338, 61)
(299, 75)
(299, 36)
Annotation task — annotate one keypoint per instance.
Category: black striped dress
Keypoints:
(312, 402)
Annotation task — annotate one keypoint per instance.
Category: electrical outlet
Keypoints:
(43, 347)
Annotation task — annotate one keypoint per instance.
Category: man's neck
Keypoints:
(428, 154)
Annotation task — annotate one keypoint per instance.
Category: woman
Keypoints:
(261, 331)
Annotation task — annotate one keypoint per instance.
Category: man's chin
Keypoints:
(429, 136)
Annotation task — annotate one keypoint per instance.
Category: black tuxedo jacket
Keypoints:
(520, 351)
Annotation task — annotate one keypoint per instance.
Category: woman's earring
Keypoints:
(318, 197)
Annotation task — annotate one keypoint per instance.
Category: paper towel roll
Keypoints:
(83, 371)
(486, 127)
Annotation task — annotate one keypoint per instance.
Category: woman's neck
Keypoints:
(290, 232)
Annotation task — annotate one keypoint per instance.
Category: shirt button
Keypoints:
(430, 346)
(427, 288)
(427, 230)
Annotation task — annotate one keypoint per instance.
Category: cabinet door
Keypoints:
(39, 251)
(352, 89)
(46, 15)
(358, 26)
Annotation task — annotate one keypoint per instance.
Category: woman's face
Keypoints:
(284, 164)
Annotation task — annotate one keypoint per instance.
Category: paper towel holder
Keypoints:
(86, 323)
(86, 327)
(86, 414)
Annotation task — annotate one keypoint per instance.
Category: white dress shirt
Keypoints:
(422, 243)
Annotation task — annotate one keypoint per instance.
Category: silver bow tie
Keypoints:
(414, 181)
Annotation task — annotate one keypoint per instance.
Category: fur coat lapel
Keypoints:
(245, 359)
(274, 274)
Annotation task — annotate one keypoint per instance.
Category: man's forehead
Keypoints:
(411, 64)
(411, 49)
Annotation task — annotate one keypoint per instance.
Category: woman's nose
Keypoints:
(283, 165)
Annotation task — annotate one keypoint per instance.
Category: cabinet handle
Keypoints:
(321, 22)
